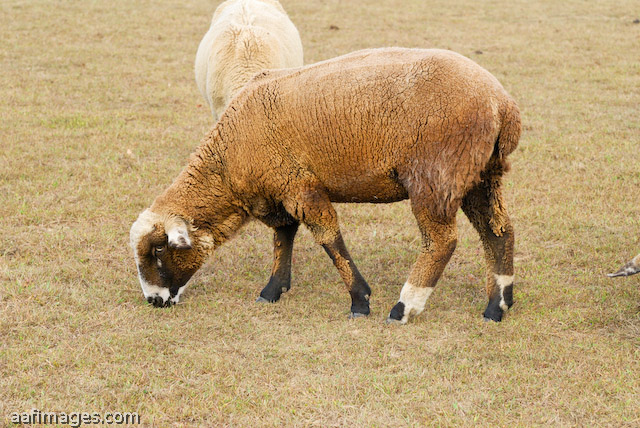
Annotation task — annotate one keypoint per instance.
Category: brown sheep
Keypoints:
(378, 125)
(628, 269)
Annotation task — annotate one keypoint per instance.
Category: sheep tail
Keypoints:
(498, 217)
(506, 143)
(509, 131)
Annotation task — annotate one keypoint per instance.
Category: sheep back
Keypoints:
(376, 125)
(245, 37)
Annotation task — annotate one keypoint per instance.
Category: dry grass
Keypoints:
(99, 113)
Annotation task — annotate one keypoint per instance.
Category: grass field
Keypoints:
(100, 111)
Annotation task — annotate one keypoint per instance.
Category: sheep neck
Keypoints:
(199, 195)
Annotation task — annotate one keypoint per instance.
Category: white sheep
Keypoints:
(245, 37)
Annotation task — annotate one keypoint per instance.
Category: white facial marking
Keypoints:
(142, 227)
(414, 299)
(503, 282)
(177, 233)
(178, 238)
(150, 290)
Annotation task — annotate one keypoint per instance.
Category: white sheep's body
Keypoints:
(245, 37)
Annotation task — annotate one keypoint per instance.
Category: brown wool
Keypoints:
(378, 125)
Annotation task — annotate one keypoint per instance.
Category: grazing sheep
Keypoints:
(245, 37)
(628, 269)
(378, 125)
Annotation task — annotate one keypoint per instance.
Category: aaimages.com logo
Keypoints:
(74, 419)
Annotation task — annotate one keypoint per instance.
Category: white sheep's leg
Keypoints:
(631, 268)
(439, 238)
(314, 209)
(280, 280)
(485, 209)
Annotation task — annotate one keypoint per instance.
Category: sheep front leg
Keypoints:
(280, 280)
(439, 238)
(357, 286)
(314, 209)
(485, 209)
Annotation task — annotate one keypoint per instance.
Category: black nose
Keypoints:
(158, 302)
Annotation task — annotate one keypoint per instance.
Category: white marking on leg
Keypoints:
(414, 298)
(503, 282)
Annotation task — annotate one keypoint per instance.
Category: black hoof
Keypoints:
(273, 290)
(493, 314)
(397, 312)
(494, 311)
(261, 299)
(360, 310)
(360, 304)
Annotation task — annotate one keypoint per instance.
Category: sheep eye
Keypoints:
(158, 250)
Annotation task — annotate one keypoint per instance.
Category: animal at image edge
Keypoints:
(245, 37)
(379, 125)
(631, 268)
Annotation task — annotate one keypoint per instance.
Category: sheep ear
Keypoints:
(178, 234)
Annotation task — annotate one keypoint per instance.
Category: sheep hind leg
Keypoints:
(439, 238)
(314, 208)
(280, 280)
(631, 268)
(485, 209)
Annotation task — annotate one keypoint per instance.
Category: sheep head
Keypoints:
(167, 253)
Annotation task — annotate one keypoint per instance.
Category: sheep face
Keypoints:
(164, 255)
